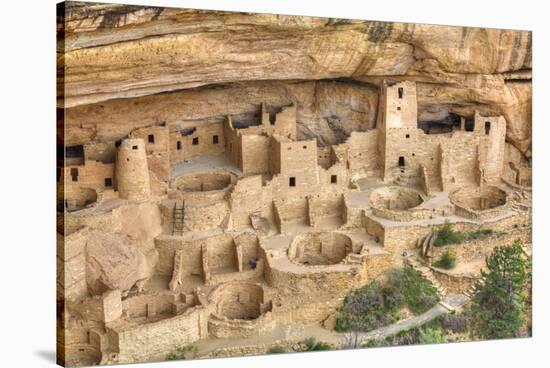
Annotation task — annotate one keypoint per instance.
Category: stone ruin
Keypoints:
(180, 233)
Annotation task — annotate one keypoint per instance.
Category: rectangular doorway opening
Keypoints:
(74, 173)
(487, 127)
(401, 161)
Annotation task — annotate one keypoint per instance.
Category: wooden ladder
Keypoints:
(177, 218)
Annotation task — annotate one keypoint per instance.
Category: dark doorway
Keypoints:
(178, 145)
(400, 92)
(74, 173)
(469, 125)
(108, 182)
(151, 138)
(487, 127)
(333, 179)
(195, 141)
(292, 182)
(401, 161)
(215, 139)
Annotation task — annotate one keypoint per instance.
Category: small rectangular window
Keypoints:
(398, 108)
(400, 92)
(487, 127)
(74, 173)
(151, 138)
(292, 181)
(195, 141)
(333, 179)
(108, 182)
(135, 147)
(178, 145)
(215, 139)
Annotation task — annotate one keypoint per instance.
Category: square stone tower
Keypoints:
(397, 125)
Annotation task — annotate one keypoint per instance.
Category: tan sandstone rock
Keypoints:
(330, 67)
(113, 262)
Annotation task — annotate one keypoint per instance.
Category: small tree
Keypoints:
(498, 304)
(447, 235)
(447, 260)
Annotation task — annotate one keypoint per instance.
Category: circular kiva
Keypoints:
(395, 198)
(479, 199)
(202, 182)
(319, 248)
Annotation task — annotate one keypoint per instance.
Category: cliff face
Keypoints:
(120, 62)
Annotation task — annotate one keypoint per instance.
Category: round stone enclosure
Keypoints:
(395, 198)
(203, 182)
(479, 199)
(320, 248)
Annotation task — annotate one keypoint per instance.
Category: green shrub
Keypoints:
(446, 235)
(431, 336)
(419, 295)
(412, 336)
(375, 305)
(447, 261)
(480, 233)
(311, 344)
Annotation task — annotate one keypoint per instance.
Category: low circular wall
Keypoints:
(478, 199)
(319, 248)
(399, 204)
(395, 198)
(240, 310)
(479, 203)
(203, 182)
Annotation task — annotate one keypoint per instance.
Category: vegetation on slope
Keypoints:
(447, 261)
(498, 306)
(447, 235)
(447, 328)
(376, 304)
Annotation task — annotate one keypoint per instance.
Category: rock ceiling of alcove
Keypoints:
(114, 52)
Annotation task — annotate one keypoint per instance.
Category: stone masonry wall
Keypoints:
(186, 143)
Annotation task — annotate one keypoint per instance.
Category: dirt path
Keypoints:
(296, 332)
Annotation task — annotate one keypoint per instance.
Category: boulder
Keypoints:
(113, 262)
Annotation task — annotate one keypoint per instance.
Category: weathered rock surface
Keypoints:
(113, 262)
(113, 51)
(320, 102)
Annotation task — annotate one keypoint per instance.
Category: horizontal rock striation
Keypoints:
(330, 67)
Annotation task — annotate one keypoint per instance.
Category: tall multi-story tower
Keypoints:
(132, 171)
(397, 125)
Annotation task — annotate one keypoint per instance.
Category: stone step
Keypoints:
(427, 275)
